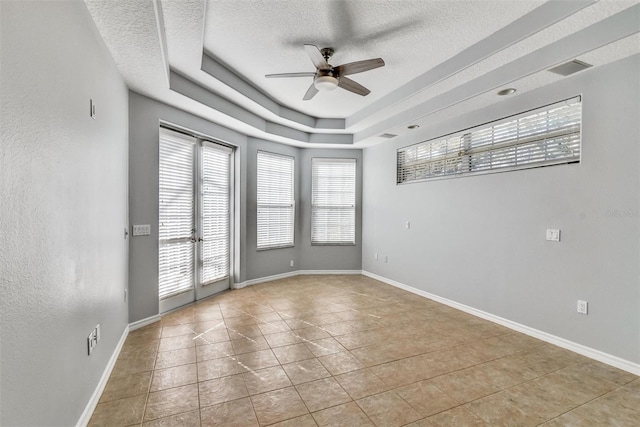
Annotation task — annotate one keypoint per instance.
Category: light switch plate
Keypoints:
(142, 230)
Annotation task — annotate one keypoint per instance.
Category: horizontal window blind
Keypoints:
(275, 199)
(176, 213)
(333, 201)
(215, 200)
(546, 136)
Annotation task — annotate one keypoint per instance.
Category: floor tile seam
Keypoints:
(459, 405)
(574, 406)
(345, 403)
(410, 405)
(295, 386)
(546, 374)
(168, 416)
(255, 414)
(235, 399)
(365, 412)
(175, 386)
(578, 406)
(146, 400)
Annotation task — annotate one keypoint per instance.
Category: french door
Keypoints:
(195, 218)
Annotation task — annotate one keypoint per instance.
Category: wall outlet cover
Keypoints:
(583, 307)
(553, 234)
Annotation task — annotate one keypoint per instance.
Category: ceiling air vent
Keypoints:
(570, 67)
(387, 135)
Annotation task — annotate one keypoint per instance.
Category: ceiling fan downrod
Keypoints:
(327, 52)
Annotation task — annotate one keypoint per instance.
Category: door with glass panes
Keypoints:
(195, 218)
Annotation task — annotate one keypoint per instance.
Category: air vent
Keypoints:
(570, 67)
(387, 135)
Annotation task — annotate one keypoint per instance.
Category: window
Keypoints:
(547, 136)
(333, 202)
(276, 204)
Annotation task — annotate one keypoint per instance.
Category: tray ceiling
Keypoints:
(210, 57)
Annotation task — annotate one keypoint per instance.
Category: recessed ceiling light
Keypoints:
(413, 126)
(507, 91)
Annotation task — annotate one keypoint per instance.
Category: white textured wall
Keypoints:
(480, 240)
(63, 209)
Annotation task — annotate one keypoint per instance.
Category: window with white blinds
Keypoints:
(547, 136)
(333, 201)
(215, 200)
(276, 204)
(176, 206)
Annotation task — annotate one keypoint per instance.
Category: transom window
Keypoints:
(547, 136)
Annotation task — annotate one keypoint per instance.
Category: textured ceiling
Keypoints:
(209, 57)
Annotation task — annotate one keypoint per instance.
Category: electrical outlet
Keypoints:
(553, 234)
(375, 256)
(291, 263)
(583, 307)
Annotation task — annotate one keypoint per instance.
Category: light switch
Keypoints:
(142, 230)
(553, 234)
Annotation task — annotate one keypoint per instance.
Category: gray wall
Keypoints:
(63, 211)
(305, 256)
(145, 116)
(480, 240)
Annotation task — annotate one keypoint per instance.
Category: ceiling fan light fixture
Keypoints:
(326, 83)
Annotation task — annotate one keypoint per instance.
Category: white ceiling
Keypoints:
(209, 57)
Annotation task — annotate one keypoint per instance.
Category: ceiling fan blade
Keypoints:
(303, 74)
(311, 92)
(358, 66)
(351, 86)
(316, 57)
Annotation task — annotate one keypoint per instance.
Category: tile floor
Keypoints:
(351, 351)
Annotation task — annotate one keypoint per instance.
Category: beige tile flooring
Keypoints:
(351, 351)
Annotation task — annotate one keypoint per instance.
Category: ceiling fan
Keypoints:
(327, 77)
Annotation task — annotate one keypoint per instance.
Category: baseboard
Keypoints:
(95, 397)
(314, 272)
(144, 322)
(589, 352)
(263, 279)
(290, 274)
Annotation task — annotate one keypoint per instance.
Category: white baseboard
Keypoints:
(95, 397)
(290, 274)
(263, 279)
(144, 322)
(313, 272)
(592, 353)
